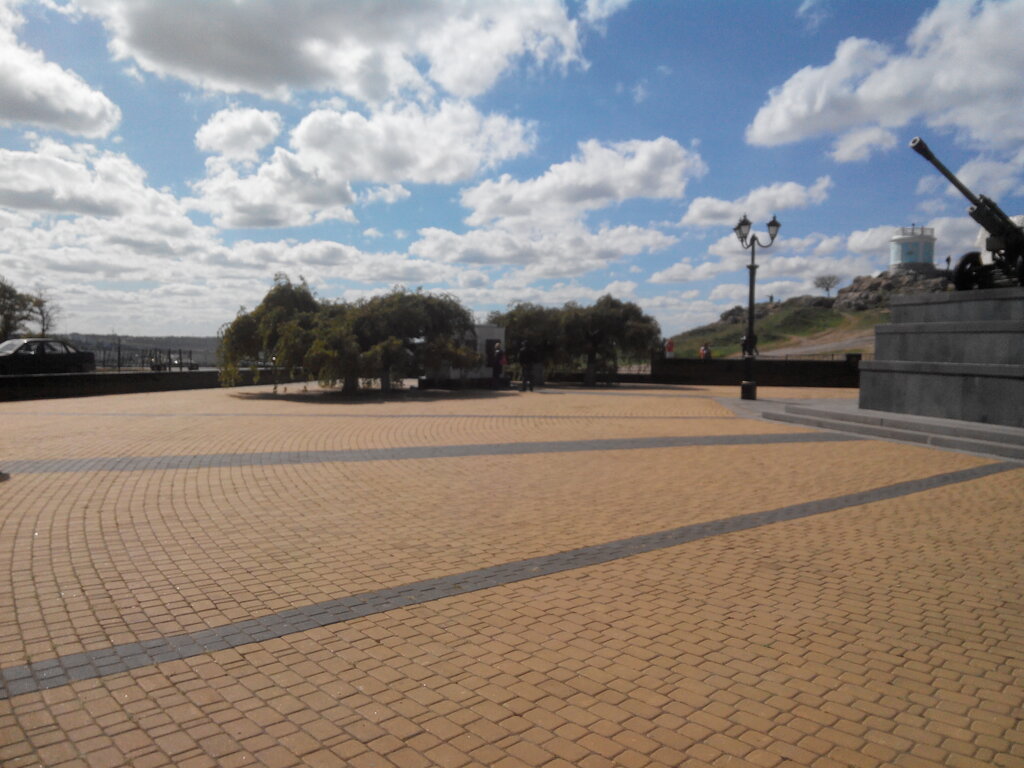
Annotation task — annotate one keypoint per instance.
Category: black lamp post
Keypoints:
(748, 388)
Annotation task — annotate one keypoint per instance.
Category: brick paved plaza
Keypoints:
(623, 577)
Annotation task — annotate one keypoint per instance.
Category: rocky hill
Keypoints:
(813, 325)
(872, 292)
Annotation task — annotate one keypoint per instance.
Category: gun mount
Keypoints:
(1005, 239)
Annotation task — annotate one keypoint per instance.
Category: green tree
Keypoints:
(383, 337)
(334, 354)
(15, 310)
(254, 337)
(607, 332)
(543, 328)
(593, 337)
(402, 332)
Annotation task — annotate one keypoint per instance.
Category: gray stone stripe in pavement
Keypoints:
(52, 673)
(216, 460)
(380, 416)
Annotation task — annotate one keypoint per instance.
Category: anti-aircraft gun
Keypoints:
(1005, 239)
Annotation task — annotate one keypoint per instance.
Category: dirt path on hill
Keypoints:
(827, 343)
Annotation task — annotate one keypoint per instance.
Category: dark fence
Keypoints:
(38, 387)
(768, 372)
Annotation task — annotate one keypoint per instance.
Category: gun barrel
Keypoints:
(918, 145)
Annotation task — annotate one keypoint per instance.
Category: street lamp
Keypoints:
(748, 388)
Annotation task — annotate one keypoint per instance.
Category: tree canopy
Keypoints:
(826, 283)
(595, 338)
(383, 338)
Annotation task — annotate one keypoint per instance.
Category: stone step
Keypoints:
(1004, 442)
(973, 392)
(948, 427)
(996, 342)
(1005, 304)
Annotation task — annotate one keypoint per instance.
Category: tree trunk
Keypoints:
(590, 375)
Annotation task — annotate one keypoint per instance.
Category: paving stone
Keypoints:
(578, 578)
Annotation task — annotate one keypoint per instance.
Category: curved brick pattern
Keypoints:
(130, 557)
(884, 633)
(53, 673)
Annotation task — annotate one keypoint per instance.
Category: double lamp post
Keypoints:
(748, 387)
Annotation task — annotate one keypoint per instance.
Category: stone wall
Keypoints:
(957, 355)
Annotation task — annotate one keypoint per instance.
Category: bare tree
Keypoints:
(45, 312)
(826, 283)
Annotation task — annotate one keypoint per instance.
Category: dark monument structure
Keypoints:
(958, 355)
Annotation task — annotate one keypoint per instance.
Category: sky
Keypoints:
(161, 162)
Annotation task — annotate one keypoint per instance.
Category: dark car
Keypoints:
(43, 356)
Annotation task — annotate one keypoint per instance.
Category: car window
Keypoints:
(29, 348)
(54, 348)
(9, 346)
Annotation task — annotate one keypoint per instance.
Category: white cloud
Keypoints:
(342, 261)
(954, 235)
(364, 49)
(442, 145)
(565, 251)
(961, 70)
(539, 224)
(990, 178)
(676, 311)
(239, 134)
(595, 11)
(601, 175)
(874, 241)
(813, 13)
(731, 292)
(55, 178)
(515, 287)
(728, 257)
(283, 192)
(480, 41)
(857, 254)
(330, 151)
(77, 217)
(819, 99)
(37, 92)
(759, 203)
(390, 193)
(621, 289)
(860, 143)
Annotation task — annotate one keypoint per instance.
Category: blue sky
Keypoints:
(161, 161)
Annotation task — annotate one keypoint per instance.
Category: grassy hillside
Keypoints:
(780, 325)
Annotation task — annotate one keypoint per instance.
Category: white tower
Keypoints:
(913, 248)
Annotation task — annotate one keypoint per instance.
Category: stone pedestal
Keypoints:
(957, 355)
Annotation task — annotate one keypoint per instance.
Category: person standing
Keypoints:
(498, 362)
(527, 359)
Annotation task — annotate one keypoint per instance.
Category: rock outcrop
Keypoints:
(868, 292)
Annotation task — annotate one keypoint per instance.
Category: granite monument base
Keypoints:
(957, 355)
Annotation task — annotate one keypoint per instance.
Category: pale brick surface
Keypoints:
(885, 633)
